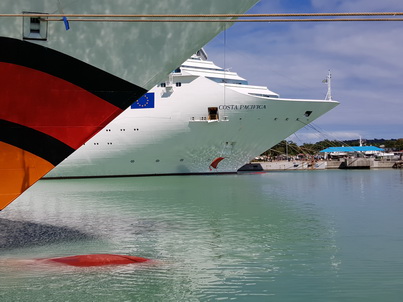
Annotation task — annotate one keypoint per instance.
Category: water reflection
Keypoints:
(252, 237)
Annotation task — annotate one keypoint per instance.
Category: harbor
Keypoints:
(351, 163)
(123, 148)
(336, 157)
(326, 235)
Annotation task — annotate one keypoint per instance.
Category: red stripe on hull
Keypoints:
(52, 105)
(215, 162)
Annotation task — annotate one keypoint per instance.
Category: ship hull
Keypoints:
(62, 82)
(141, 53)
(177, 137)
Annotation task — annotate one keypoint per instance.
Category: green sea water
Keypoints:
(280, 236)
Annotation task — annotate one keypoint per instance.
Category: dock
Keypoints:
(284, 165)
(349, 163)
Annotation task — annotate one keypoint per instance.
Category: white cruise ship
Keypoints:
(202, 119)
(64, 76)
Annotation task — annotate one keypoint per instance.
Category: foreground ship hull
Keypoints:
(190, 125)
(61, 85)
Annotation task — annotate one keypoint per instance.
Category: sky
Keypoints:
(292, 59)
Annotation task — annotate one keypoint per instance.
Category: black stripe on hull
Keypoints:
(112, 89)
(36, 142)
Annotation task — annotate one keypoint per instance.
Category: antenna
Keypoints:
(328, 81)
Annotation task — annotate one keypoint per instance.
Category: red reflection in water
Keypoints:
(96, 260)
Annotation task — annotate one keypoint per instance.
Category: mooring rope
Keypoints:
(207, 15)
(296, 17)
(226, 20)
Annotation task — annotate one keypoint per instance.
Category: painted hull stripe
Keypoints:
(20, 169)
(35, 142)
(111, 88)
(52, 105)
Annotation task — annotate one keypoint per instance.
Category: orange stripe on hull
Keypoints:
(19, 169)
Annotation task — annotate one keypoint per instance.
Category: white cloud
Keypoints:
(293, 59)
